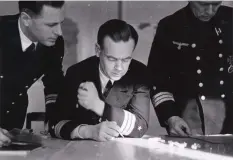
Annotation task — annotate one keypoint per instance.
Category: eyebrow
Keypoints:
(54, 23)
(128, 57)
(118, 58)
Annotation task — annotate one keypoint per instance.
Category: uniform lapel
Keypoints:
(119, 94)
(96, 78)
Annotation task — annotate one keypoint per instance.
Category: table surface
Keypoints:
(147, 148)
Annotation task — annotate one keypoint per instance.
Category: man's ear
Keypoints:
(97, 49)
(25, 19)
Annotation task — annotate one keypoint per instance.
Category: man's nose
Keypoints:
(58, 30)
(210, 10)
(118, 65)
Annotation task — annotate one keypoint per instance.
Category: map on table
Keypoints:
(152, 148)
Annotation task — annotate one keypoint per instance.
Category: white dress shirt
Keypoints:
(25, 41)
(103, 80)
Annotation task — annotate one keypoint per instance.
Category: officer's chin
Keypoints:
(205, 19)
(116, 78)
(49, 43)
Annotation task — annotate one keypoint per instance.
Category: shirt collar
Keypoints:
(25, 41)
(103, 79)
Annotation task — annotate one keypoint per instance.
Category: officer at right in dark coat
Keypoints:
(191, 66)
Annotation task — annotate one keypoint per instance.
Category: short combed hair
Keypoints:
(36, 6)
(117, 30)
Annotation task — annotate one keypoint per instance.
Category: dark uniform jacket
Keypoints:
(130, 93)
(19, 70)
(189, 59)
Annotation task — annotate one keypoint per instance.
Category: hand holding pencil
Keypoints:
(104, 131)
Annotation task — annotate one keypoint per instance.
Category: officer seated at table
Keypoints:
(107, 95)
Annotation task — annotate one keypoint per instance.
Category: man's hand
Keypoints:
(4, 139)
(104, 131)
(177, 126)
(88, 98)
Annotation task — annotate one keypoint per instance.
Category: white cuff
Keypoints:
(75, 132)
(128, 123)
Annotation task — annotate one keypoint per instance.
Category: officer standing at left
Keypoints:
(31, 47)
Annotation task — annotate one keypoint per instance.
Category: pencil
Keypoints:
(121, 134)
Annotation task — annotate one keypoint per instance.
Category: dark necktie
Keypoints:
(107, 89)
(31, 48)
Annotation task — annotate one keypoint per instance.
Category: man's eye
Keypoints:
(51, 25)
(216, 5)
(126, 60)
(111, 59)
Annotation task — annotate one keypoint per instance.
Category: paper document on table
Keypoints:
(21, 143)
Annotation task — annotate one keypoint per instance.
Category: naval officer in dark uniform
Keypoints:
(111, 97)
(191, 62)
(31, 47)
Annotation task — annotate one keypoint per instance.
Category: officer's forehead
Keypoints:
(208, 2)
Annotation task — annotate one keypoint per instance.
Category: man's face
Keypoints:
(205, 10)
(115, 57)
(46, 27)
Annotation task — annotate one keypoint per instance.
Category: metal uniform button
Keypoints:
(220, 55)
(154, 88)
(223, 95)
(61, 57)
(221, 82)
(198, 58)
(13, 103)
(203, 97)
(26, 86)
(221, 69)
(220, 41)
(199, 71)
(20, 94)
(7, 112)
(200, 84)
(34, 79)
(1, 76)
(193, 45)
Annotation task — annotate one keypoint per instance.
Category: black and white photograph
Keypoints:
(116, 80)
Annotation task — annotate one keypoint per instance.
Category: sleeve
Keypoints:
(67, 116)
(1, 67)
(133, 120)
(161, 73)
(53, 78)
